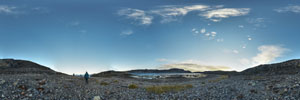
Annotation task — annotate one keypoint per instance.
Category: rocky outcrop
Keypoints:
(220, 72)
(288, 67)
(11, 66)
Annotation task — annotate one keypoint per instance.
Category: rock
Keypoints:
(15, 83)
(97, 98)
(30, 95)
(22, 93)
(42, 82)
(2, 96)
(251, 83)
(2, 82)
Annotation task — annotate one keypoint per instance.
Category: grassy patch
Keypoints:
(132, 86)
(167, 88)
(222, 77)
(116, 81)
(104, 83)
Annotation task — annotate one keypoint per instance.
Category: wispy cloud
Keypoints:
(231, 51)
(136, 14)
(7, 9)
(218, 14)
(291, 8)
(257, 22)
(171, 12)
(126, 33)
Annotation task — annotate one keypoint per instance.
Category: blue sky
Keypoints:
(74, 36)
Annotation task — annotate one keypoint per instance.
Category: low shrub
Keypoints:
(116, 81)
(132, 86)
(104, 83)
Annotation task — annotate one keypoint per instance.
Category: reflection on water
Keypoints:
(166, 75)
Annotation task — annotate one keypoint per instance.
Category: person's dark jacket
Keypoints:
(86, 75)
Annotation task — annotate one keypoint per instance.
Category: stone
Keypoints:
(15, 83)
(30, 95)
(97, 98)
(2, 82)
(2, 96)
(42, 82)
(251, 83)
(22, 93)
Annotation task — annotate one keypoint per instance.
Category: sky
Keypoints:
(74, 36)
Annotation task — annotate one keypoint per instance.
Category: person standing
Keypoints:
(86, 77)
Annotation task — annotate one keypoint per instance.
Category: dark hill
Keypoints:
(174, 70)
(11, 66)
(288, 67)
(111, 73)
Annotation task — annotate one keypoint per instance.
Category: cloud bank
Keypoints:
(218, 14)
(191, 65)
(171, 13)
(267, 54)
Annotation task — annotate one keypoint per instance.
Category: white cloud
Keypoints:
(235, 51)
(7, 9)
(207, 34)
(203, 30)
(126, 33)
(249, 38)
(136, 14)
(291, 8)
(244, 46)
(241, 26)
(268, 53)
(213, 34)
(170, 13)
(218, 14)
(194, 29)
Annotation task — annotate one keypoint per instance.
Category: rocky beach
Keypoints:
(265, 82)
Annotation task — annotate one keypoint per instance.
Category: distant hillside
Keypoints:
(111, 73)
(174, 70)
(127, 73)
(11, 66)
(288, 67)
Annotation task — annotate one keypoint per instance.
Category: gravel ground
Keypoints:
(213, 87)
